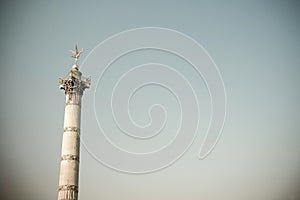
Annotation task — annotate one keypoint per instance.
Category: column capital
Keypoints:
(74, 82)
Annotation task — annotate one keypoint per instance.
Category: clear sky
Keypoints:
(256, 47)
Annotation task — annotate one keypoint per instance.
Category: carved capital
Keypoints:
(74, 83)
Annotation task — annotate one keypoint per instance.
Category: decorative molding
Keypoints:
(70, 102)
(70, 157)
(71, 129)
(68, 192)
(68, 187)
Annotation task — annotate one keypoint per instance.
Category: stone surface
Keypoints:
(74, 85)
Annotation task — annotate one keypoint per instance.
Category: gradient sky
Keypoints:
(256, 46)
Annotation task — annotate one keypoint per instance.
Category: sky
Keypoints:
(254, 44)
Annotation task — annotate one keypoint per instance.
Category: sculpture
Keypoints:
(76, 54)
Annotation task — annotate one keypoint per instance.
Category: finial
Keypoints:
(76, 56)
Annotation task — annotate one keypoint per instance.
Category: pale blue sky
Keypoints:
(256, 46)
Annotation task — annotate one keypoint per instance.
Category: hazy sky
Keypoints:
(256, 46)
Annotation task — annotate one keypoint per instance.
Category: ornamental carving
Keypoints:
(68, 187)
(74, 82)
(70, 157)
(71, 129)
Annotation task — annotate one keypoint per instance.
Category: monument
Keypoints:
(74, 85)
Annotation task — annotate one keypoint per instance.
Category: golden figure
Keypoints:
(76, 54)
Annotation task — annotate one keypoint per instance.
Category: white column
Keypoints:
(73, 85)
(69, 167)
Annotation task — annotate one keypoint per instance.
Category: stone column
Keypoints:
(74, 85)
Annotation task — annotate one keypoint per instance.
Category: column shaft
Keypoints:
(69, 167)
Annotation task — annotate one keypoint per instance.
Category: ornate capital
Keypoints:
(74, 82)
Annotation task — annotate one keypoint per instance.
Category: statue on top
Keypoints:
(76, 54)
